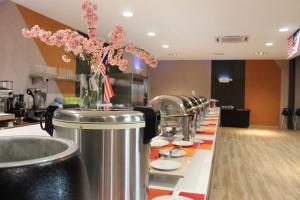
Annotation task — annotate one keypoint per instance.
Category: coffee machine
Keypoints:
(5, 91)
(3, 101)
(16, 105)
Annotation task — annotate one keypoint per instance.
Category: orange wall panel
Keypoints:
(51, 55)
(262, 92)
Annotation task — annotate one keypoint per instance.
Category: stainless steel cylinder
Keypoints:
(112, 148)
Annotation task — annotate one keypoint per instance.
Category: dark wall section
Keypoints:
(232, 93)
(292, 82)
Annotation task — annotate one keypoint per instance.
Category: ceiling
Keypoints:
(189, 27)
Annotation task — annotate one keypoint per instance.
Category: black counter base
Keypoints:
(235, 118)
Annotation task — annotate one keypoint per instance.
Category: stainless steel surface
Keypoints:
(79, 115)
(169, 105)
(175, 110)
(6, 85)
(3, 105)
(131, 89)
(205, 103)
(28, 150)
(189, 105)
(116, 160)
(193, 110)
(4, 94)
(39, 98)
(200, 111)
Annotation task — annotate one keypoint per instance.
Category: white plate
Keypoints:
(211, 113)
(204, 123)
(178, 153)
(159, 143)
(211, 118)
(168, 197)
(183, 143)
(198, 140)
(200, 130)
(178, 137)
(166, 165)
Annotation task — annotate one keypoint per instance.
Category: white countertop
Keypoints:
(24, 130)
(198, 173)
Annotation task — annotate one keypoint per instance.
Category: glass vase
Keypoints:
(90, 91)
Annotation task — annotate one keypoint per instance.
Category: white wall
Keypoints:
(180, 78)
(18, 54)
(284, 65)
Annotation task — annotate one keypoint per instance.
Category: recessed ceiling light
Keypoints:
(127, 14)
(218, 53)
(261, 53)
(165, 46)
(268, 44)
(175, 54)
(151, 34)
(284, 29)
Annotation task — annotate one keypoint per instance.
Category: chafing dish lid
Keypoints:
(188, 104)
(169, 106)
(95, 116)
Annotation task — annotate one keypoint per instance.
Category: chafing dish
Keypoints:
(176, 113)
(205, 103)
(200, 108)
(193, 109)
(201, 105)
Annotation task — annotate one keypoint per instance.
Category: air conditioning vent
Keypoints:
(232, 39)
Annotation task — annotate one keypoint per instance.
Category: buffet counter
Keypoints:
(195, 183)
(195, 180)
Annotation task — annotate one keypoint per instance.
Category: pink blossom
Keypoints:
(130, 47)
(93, 47)
(26, 33)
(123, 64)
(65, 58)
(117, 36)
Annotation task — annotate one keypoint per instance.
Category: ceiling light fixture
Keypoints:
(269, 44)
(261, 53)
(151, 34)
(165, 46)
(219, 54)
(127, 14)
(175, 54)
(284, 29)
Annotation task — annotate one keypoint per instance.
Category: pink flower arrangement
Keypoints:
(92, 48)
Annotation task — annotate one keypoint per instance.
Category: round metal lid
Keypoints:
(188, 103)
(95, 116)
(169, 105)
